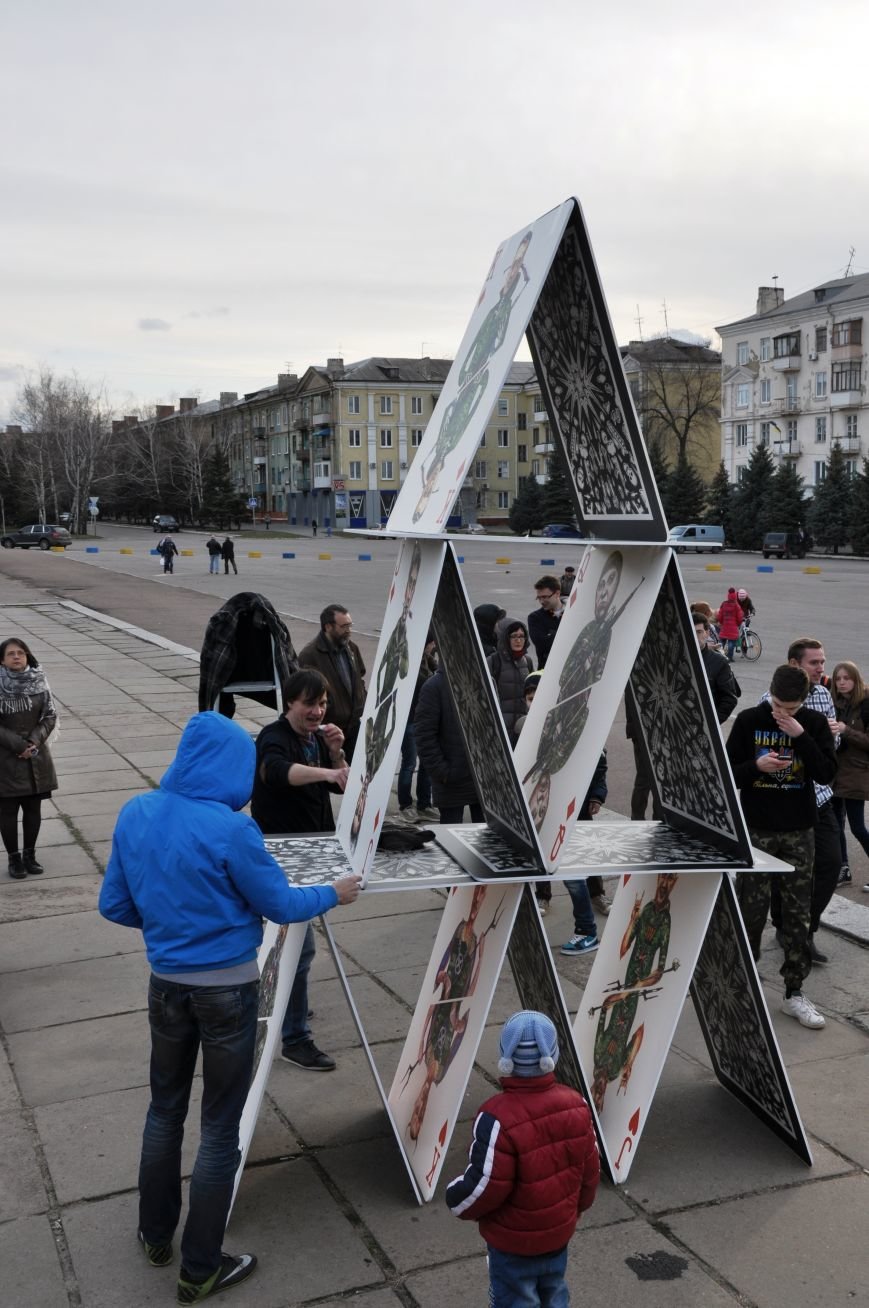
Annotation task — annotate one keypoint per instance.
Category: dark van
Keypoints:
(785, 544)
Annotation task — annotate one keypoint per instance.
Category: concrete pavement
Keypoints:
(716, 1211)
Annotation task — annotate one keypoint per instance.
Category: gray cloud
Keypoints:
(219, 311)
(9, 372)
(154, 325)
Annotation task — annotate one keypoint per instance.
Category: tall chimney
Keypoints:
(187, 403)
(287, 380)
(335, 367)
(769, 298)
(227, 398)
(164, 411)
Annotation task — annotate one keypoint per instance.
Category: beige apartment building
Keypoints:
(794, 378)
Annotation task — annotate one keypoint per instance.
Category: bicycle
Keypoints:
(748, 643)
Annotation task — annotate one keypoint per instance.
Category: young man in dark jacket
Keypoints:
(533, 1168)
(442, 752)
(778, 750)
(190, 870)
(719, 674)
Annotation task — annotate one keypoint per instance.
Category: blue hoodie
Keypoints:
(190, 869)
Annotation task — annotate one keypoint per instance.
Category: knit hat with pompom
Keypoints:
(529, 1045)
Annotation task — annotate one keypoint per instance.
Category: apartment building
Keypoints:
(794, 378)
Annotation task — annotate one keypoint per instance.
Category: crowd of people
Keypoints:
(800, 759)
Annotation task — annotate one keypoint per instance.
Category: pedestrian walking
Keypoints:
(27, 775)
(214, 552)
(313, 529)
(268, 521)
(851, 786)
(227, 551)
(168, 550)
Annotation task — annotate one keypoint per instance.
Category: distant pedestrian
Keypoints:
(851, 786)
(533, 1169)
(510, 665)
(729, 622)
(227, 551)
(748, 609)
(486, 618)
(568, 577)
(442, 752)
(313, 528)
(268, 521)
(27, 776)
(214, 552)
(168, 549)
(543, 623)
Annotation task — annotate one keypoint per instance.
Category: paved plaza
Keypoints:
(716, 1211)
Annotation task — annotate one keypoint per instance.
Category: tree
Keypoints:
(858, 519)
(831, 507)
(660, 470)
(788, 492)
(527, 511)
(558, 503)
(753, 508)
(221, 503)
(680, 395)
(719, 500)
(684, 494)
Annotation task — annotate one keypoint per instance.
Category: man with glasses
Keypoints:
(543, 622)
(336, 656)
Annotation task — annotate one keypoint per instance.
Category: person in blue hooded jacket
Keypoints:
(190, 870)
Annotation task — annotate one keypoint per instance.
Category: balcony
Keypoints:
(540, 415)
(258, 459)
(545, 447)
(302, 453)
(323, 482)
(541, 478)
(258, 431)
(322, 418)
(787, 449)
(848, 444)
(790, 404)
(846, 399)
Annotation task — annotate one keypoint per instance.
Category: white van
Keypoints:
(698, 537)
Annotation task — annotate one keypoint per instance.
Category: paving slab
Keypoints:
(21, 1187)
(61, 1063)
(48, 896)
(90, 783)
(49, 942)
(98, 826)
(796, 1246)
(54, 830)
(833, 1102)
(67, 993)
(65, 861)
(32, 1275)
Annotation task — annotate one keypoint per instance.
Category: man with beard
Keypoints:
(337, 657)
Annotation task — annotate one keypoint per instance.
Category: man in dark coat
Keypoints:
(442, 752)
(722, 682)
(337, 657)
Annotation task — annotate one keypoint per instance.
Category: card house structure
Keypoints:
(674, 926)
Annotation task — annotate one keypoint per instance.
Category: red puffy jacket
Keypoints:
(729, 618)
(533, 1166)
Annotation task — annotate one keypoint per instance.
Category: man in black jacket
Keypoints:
(778, 750)
(336, 656)
(442, 752)
(719, 673)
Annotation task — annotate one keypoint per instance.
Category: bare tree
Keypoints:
(678, 391)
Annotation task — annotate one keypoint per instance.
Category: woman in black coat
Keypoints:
(27, 775)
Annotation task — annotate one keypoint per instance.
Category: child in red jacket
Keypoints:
(729, 622)
(533, 1168)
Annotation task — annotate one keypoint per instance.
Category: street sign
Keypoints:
(252, 503)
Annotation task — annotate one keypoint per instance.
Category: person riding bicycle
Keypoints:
(748, 609)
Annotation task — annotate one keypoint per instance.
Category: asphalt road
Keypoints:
(789, 602)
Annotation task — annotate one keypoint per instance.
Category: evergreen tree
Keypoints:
(753, 505)
(527, 512)
(660, 470)
(684, 495)
(558, 502)
(221, 503)
(788, 490)
(719, 499)
(831, 507)
(858, 520)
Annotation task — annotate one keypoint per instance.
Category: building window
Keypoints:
(354, 438)
(821, 430)
(848, 333)
(480, 469)
(742, 352)
(416, 404)
(535, 435)
(820, 471)
(742, 395)
(355, 470)
(537, 403)
(386, 470)
(792, 431)
(846, 376)
(741, 474)
(742, 433)
(791, 390)
(535, 467)
(787, 345)
(503, 469)
(483, 440)
(522, 421)
(851, 467)
(820, 339)
(503, 499)
(352, 403)
(764, 433)
(820, 385)
(415, 436)
(522, 454)
(386, 404)
(503, 438)
(503, 407)
(765, 348)
(385, 437)
(765, 391)
(851, 424)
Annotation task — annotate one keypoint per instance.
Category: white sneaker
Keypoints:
(543, 906)
(804, 1011)
(602, 904)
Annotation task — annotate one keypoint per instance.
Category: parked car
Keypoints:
(41, 534)
(785, 544)
(697, 536)
(164, 522)
(562, 530)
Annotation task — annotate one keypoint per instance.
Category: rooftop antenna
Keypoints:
(639, 321)
(775, 280)
(851, 253)
(422, 346)
(666, 323)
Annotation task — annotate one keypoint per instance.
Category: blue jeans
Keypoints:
(295, 1028)
(405, 773)
(222, 1019)
(520, 1281)
(583, 913)
(214, 563)
(729, 647)
(855, 810)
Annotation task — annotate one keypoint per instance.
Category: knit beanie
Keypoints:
(529, 1045)
(532, 681)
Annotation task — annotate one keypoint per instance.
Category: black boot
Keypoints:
(816, 955)
(16, 867)
(30, 863)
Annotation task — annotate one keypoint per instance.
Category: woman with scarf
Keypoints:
(510, 665)
(27, 776)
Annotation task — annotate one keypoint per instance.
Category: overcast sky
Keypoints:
(197, 193)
